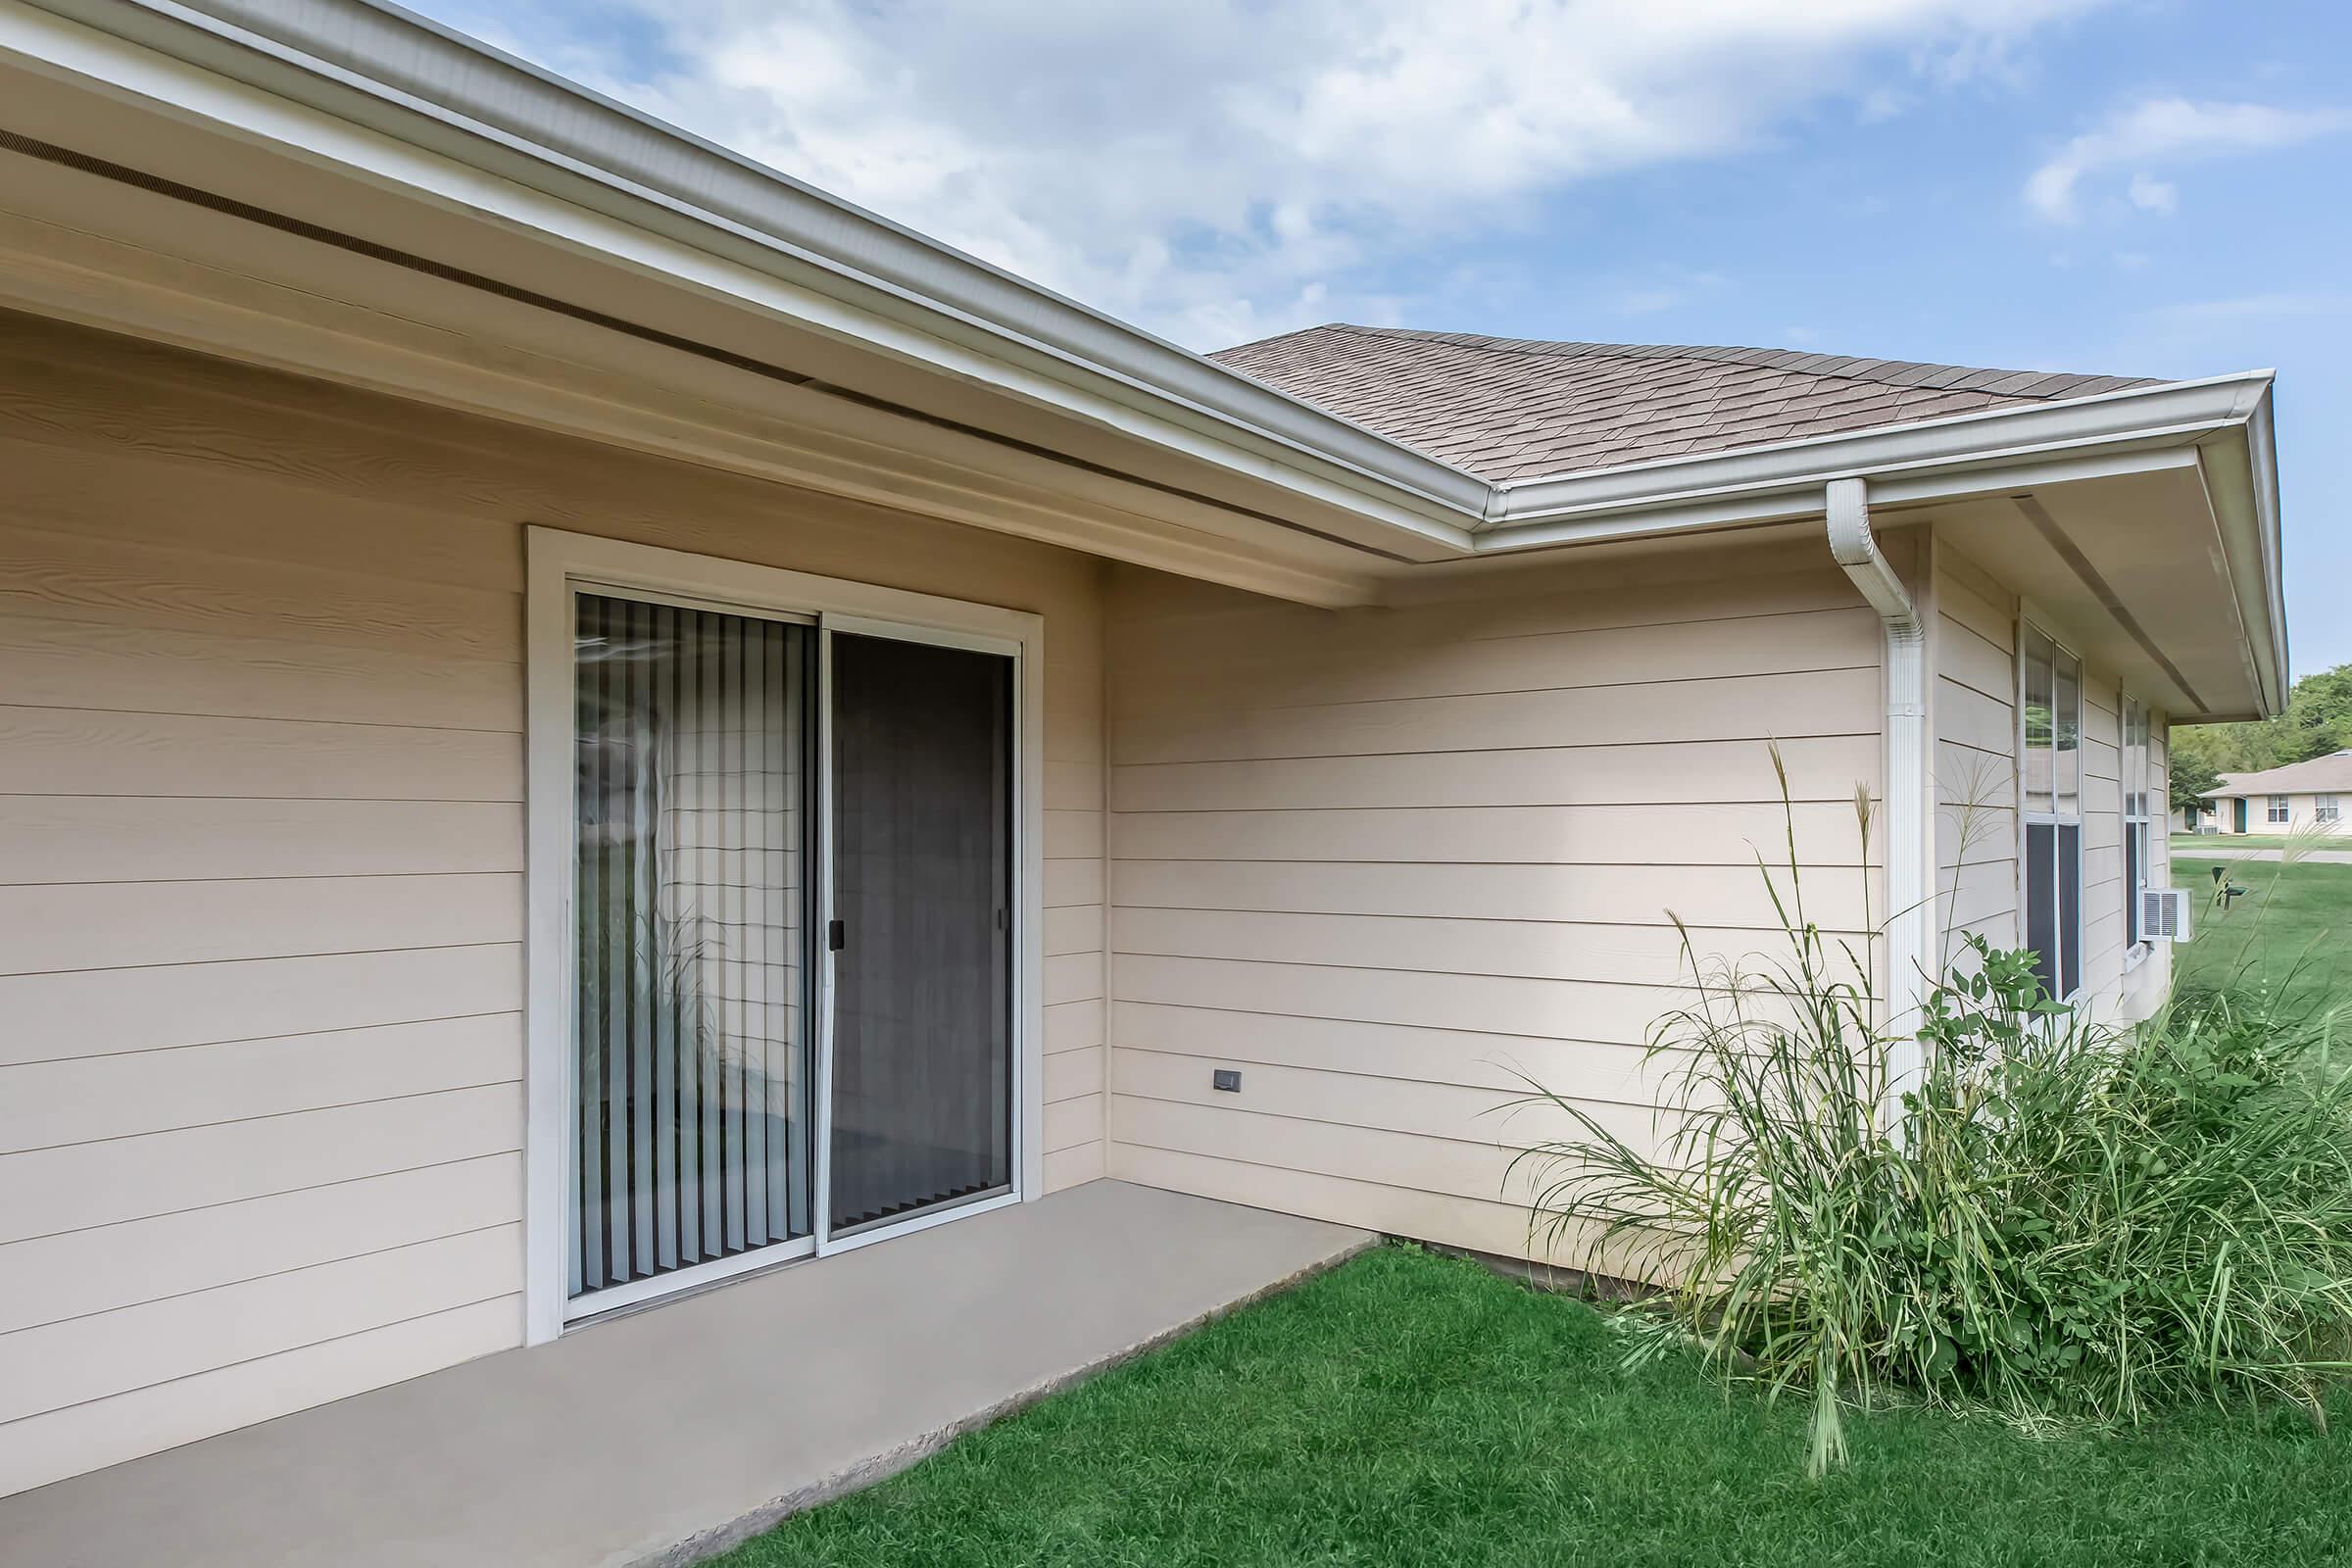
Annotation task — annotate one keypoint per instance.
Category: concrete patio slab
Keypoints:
(664, 1436)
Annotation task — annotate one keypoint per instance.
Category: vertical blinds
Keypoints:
(695, 1099)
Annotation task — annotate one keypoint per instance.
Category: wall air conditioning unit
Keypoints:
(2164, 912)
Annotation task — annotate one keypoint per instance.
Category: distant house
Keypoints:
(2282, 799)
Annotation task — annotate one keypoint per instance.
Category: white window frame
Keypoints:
(559, 564)
(2326, 808)
(2134, 773)
(2278, 810)
(2031, 623)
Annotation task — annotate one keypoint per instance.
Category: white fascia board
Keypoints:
(1927, 461)
(819, 261)
(1801, 500)
(2262, 452)
(2240, 470)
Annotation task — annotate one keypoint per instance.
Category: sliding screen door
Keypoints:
(692, 1103)
(921, 1065)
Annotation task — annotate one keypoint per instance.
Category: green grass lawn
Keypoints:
(2293, 927)
(2203, 844)
(1410, 1408)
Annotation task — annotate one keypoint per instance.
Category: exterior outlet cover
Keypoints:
(1226, 1078)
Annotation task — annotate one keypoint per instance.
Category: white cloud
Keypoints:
(1880, 104)
(1676, 286)
(2167, 128)
(2236, 331)
(2152, 195)
(2239, 310)
(1224, 169)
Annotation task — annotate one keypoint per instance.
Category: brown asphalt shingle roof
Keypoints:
(1515, 409)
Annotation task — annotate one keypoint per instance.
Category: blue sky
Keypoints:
(2145, 187)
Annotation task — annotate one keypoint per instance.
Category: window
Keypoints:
(2135, 817)
(2325, 809)
(2050, 776)
(2279, 810)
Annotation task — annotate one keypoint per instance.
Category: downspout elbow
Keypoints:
(1855, 548)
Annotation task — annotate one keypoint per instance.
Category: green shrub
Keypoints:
(2056, 1220)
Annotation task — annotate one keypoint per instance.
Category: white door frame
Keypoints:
(558, 563)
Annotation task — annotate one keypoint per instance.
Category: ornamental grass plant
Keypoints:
(2055, 1219)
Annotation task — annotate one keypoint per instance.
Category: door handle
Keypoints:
(837, 936)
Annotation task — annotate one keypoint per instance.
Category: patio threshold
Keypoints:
(667, 1434)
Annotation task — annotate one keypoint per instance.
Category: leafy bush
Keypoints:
(2061, 1221)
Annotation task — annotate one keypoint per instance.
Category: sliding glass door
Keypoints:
(793, 923)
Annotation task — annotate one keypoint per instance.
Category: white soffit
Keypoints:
(2130, 571)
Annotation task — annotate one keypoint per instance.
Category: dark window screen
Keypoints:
(922, 742)
(2070, 907)
(2041, 903)
(2134, 832)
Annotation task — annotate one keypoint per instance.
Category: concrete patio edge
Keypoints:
(667, 1434)
(706, 1545)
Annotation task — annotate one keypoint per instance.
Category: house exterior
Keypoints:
(582, 718)
(2299, 798)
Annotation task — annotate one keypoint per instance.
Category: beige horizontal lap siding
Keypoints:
(1076, 1069)
(261, 870)
(1972, 653)
(259, 938)
(1396, 864)
(2103, 950)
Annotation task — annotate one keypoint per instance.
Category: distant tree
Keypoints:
(2318, 721)
(2194, 778)
(2319, 714)
(2237, 748)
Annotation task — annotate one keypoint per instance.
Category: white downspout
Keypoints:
(1909, 851)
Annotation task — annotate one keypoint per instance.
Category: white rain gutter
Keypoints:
(1910, 849)
(1927, 460)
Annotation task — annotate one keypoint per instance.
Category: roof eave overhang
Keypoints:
(392, 104)
(419, 85)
